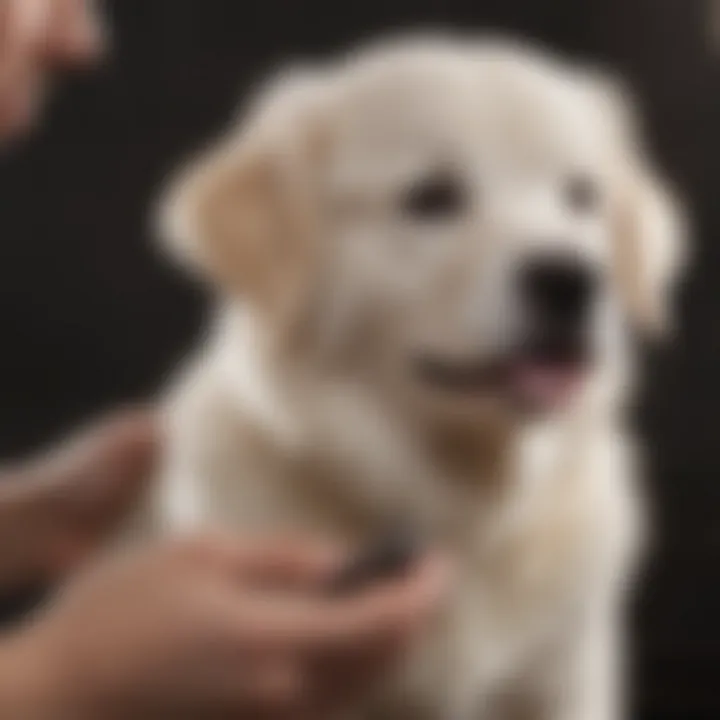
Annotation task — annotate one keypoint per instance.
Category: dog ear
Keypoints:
(650, 226)
(650, 247)
(244, 214)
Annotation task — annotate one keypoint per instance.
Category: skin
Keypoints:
(57, 508)
(212, 626)
(39, 38)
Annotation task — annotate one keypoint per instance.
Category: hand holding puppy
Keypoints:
(212, 627)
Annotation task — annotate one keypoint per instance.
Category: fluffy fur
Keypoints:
(303, 410)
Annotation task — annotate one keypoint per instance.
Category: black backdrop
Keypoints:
(91, 316)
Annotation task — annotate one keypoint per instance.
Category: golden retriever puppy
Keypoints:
(427, 256)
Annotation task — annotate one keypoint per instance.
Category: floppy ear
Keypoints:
(649, 224)
(244, 214)
(650, 240)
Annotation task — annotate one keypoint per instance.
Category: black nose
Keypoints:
(558, 288)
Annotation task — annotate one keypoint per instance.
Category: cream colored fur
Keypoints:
(301, 411)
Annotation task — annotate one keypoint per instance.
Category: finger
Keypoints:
(22, 24)
(278, 562)
(74, 32)
(82, 490)
(97, 474)
(374, 617)
(341, 678)
(278, 688)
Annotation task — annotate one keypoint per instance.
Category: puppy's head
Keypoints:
(472, 225)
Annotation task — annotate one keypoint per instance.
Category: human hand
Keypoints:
(57, 509)
(36, 38)
(213, 627)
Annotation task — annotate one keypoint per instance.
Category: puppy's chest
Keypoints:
(518, 571)
(510, 607)
(515, 565)
(506, 547)
(507, 607)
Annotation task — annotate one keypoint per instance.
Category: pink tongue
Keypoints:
(545, 385)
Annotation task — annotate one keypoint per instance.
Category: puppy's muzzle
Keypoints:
(557, 293)
(547, 362)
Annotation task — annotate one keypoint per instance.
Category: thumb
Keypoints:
(91, 482)
(95, 477)
(67, 501)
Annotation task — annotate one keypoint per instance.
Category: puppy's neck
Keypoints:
(379, 458)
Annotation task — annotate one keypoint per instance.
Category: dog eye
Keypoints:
(440, 197)
(582, 194)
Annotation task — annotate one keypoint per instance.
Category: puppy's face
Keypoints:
(470, 227)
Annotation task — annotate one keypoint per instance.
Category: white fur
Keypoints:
(544, 525)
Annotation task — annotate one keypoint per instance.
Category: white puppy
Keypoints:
(426, 257)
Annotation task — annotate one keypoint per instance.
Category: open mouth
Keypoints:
(533, 378)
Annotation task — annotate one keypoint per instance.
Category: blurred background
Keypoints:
(91, 315)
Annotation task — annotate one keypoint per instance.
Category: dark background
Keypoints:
(90, 315)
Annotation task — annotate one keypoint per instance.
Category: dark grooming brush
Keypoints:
(389, 556)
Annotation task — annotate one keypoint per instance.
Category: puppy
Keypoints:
(427, 258)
